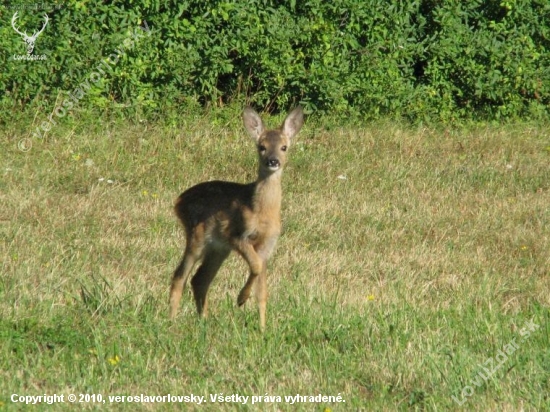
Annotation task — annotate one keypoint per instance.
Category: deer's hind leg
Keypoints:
(194, 250)
(180, 279)
(211, 263)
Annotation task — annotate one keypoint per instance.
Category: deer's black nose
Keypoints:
(272, 162)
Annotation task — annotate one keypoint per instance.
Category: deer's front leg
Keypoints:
(256, 264)
(257, 260)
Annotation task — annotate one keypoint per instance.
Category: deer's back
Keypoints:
(220, 209)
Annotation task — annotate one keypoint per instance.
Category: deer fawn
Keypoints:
(221, 216)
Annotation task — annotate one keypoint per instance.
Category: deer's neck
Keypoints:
(268, 193)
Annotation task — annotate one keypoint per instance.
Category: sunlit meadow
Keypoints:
(410, 256)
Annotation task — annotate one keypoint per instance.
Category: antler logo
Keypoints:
(29, 39)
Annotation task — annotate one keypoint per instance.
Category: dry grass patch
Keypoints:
(409, 256)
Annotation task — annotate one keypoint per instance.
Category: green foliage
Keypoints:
(488, 57)
(420, 59)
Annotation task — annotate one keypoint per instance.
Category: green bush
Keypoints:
(419, 59)
(487, 57)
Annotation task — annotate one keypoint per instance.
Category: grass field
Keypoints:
(412, 272)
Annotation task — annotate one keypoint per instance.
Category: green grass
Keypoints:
(409, 257)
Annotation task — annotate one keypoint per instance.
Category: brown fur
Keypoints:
(222, 216)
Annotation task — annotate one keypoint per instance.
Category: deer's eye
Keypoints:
(283, 148)
(261, 148)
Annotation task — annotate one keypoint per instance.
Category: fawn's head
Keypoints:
(272, 144)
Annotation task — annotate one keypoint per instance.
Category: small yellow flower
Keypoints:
(145, 193)
(154, 195)
(114, 360)
(523, 247)
(370, 297)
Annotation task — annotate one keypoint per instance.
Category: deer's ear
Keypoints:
(293, 122)
(253, 123)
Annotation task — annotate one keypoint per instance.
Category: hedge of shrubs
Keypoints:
(418, 59)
